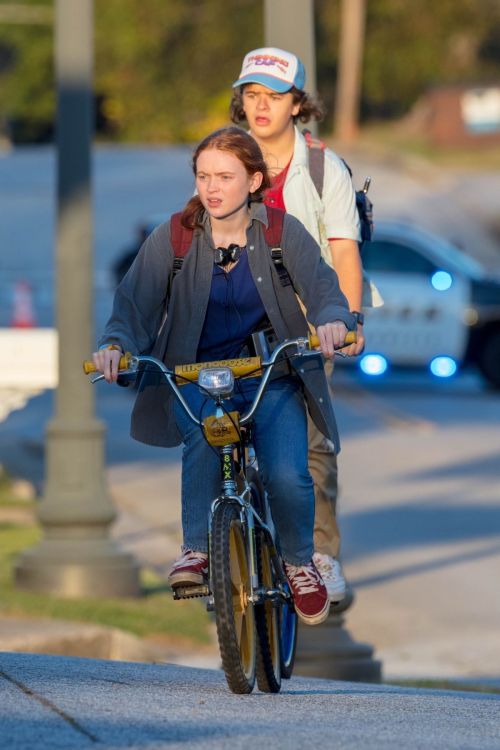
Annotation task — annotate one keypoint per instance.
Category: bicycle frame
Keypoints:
(229, 492)
(247, 587)
(251, 520)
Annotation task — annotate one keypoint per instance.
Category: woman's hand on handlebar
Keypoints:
(107, 361)
(331, 336)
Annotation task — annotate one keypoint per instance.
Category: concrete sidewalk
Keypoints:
(69, 703)
(430, 606)
(420, 521)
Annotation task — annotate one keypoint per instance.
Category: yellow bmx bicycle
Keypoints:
(247, 587)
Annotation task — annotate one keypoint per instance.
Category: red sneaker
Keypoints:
(310, 596)
(190, 569)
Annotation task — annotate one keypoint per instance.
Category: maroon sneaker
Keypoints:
(191, 569)
(310, 596)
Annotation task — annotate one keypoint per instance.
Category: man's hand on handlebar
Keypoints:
(331, 336)
(357, 348)
(107, 361)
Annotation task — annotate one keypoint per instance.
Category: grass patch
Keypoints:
(152, 615)
(446, 685)
(8, 496)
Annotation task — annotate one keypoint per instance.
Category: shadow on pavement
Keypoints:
(481, 467)
(409, 570)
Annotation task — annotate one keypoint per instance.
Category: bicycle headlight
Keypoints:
(218, 381)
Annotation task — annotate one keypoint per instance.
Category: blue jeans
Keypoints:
(280, 441)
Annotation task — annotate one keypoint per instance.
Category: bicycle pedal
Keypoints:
(191, 592)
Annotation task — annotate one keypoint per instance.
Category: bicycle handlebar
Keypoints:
(241, 366)
(124, 364)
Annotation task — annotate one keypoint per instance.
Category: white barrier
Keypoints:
(28, 358)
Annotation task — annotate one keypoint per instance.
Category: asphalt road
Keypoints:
(66, 703)
(420, 475)
(419, 511)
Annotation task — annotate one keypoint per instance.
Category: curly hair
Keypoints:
(235, 141)
(310, 107)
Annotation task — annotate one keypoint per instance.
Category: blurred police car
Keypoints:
(441, 310)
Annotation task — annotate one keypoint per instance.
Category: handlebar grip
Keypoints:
(89, 367)
(351, 338)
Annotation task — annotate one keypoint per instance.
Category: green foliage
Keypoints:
(410, 46)
(163, 70)
(26, 72)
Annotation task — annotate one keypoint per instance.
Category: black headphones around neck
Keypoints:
(225, 255)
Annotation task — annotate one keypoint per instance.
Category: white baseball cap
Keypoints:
(274, 68)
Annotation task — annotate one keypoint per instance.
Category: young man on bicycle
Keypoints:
(269, 95)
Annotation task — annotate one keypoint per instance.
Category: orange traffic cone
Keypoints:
(22, 313)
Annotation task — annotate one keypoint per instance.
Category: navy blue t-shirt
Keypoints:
(234, 311)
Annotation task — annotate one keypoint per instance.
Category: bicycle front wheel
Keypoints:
(267, 617)
(234, 612)
(288, 639)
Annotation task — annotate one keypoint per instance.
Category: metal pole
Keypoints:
(76, 556)
(352, 31)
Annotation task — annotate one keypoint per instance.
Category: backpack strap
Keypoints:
(316, 150)
(364, 205)
(181, 239)
(273, 234)
(274, 228)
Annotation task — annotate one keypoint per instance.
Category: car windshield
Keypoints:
(442, 252)
(462, 262)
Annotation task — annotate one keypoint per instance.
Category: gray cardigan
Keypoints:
(146, 320)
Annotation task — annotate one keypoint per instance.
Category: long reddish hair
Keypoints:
(239, 143)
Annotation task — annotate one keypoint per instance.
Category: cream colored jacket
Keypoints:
(334, 215)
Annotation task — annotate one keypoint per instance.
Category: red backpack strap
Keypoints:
(316, 149)
(273, 233)
(180, 236)
(274, 228)
(181, 239)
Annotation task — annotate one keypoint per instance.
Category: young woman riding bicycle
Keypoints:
(208, 312)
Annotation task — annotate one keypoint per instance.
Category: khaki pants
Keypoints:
(323, 468)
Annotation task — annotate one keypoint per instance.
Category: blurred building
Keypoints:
(460, 115)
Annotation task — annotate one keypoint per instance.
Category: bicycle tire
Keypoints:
(267, 621)
(288, 639)
(234, 613)
(287, 615)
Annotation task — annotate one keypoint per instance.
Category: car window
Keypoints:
(386, 256)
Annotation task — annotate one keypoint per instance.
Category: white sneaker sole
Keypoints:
(336, 596)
